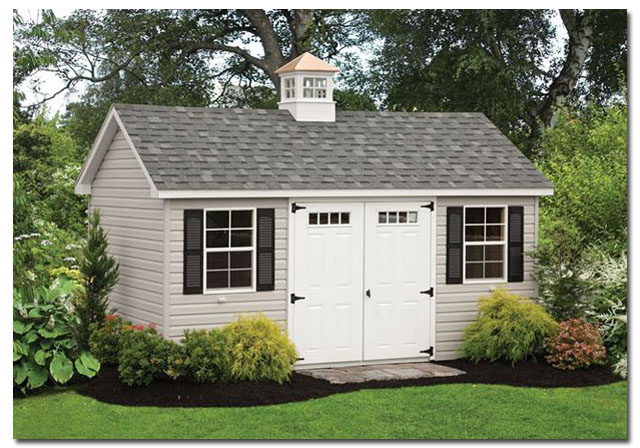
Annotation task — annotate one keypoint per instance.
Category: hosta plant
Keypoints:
(578, 344)
(44, 349)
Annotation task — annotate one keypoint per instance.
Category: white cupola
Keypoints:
(306, 88)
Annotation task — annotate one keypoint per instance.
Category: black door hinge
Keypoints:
(295, 298)
(295, 207)
(429, 351)
(428, 291)
(429, 205)
(299, 359)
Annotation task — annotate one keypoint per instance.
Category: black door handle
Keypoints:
(368, 293)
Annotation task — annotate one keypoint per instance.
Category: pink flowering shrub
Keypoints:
(578, 344)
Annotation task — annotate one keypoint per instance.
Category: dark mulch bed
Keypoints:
(107, 387)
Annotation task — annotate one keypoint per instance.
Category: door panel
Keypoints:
(397, 268)
(328, 272)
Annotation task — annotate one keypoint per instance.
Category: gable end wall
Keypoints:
(134, 223)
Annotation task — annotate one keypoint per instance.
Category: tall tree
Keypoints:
(96, 46)
(499, 62)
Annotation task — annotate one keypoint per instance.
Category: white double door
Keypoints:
(361, 280)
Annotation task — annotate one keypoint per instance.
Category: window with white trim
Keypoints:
(229, 246)
(290, 87)
(485, 238)
(314, 88)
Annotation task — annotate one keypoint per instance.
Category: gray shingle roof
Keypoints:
(186, 148)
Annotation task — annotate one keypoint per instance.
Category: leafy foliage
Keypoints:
(43, 344)
(100, 273)
(577, 345)
(38, 258)
(620, 367)
(46, 161)
(606, 280)
(585, 157)
(501, 63)
(558, 272)
(104, 339)
(259, 351)
(205, 356)
(508, 328)
(143, 355)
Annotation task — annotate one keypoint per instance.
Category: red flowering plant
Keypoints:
(105, 336)
(578, 344)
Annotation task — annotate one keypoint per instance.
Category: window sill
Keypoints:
(484, 281)
(228, 291)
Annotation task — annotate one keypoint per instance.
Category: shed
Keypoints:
(369, 236)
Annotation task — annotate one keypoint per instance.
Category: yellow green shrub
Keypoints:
(258, 350)
(508, 328)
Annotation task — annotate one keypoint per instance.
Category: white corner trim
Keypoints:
(98, 150)
(219, 194)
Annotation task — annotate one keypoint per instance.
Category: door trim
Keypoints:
(364, 200)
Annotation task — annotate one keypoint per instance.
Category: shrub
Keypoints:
(258, 350)
(620, 368)
(205, 356)
(104, 339)
(100, 273)
(143, 355)
(606, 279)
(578, 344)
(43, 344)
(557, 271)
(508, 328)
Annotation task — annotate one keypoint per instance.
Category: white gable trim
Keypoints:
(100, 146)
(192, 194)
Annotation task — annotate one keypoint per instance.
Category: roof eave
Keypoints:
(229, 194)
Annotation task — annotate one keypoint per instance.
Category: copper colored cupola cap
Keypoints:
(306, 62)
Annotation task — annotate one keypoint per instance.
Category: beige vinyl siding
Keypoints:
(193, 311)
(134, 223)
(456, 305)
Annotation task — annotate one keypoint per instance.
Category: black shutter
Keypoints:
(265, 249)
(193, 248)
(516, 245)
(454, 245)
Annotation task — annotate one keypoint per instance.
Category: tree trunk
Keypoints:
(580, 29)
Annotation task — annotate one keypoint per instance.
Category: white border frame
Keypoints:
(254, 251)
(502, 279)
(363, 199)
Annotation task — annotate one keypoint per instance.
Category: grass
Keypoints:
(460, 411)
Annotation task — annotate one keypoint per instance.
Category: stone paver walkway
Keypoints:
(381, 372)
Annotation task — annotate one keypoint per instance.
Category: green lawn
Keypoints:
(446, 411)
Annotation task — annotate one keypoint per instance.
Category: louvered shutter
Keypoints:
(516, 245)
(454, 245)
(193, 249)
(265, 249)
